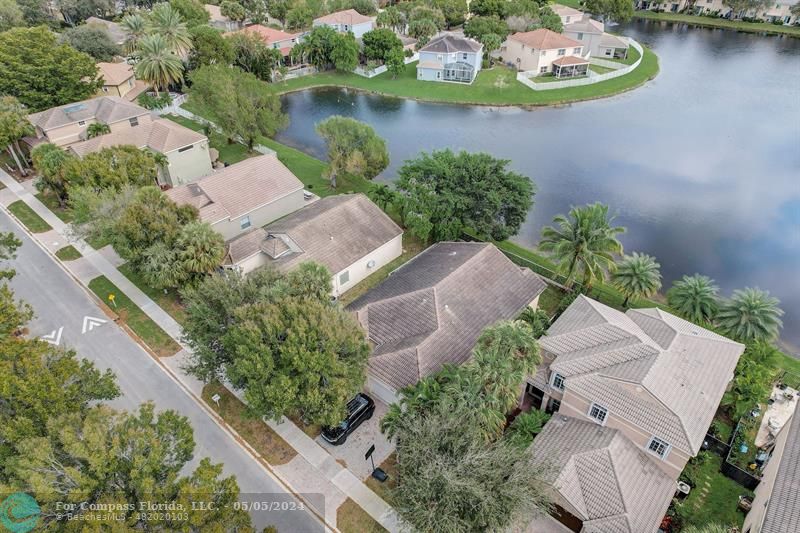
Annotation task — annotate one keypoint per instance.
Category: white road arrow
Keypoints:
(54, 337)
(90, 322)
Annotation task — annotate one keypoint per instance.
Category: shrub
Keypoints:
(151, 101)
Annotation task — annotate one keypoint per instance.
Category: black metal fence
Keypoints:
(713, 444)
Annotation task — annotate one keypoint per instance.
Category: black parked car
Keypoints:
(360, 408)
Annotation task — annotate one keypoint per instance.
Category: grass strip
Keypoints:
(28, 217)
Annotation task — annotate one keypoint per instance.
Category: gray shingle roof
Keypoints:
(602, 477)
(448, 43)
(681, 369)
(104, 109)
(783, 510)
(432, 310)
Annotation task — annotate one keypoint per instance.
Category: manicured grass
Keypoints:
(709, 22)
(790, 364)
(714, 499)
(351, 518)
(68, 253)
(550, 78)
(169, 301)
(28, 217)
(260, 436)
(130, 314)
(550, 299)
(51, 202)
(496, 86)
(229, 153)
(384, 490)
(600, 70)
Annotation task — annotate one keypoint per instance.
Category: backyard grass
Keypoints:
(496, 86)
(260, 436)
(351, 518)
(130, 314)
(630, 59)
(28, 217)
(709, 22)
(51, 202)
(68, 253)
(389, 465)
(714, 499)
(169, 301)
(550, 299)
(229, 153)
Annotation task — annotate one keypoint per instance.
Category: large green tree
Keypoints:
(378, 44)
(14, 125)
(695, 297)
(92, 40)
(391, 18)
(353, 147)
(193, 12)
(636, 276)
(611, 10)
(584, 242)
(42, 73)
(76, 11)
(11, 15)
(54, 166)
(752, 379)
(37, 12)
(8, 250)
(446, 192)
(326, 49)
(750, 315)
(166, 21)
(209, 47)
(477, 27)
(114, 167)
(251, 54)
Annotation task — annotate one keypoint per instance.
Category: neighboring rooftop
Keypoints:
(612, 41)
(432, 310)
(783, 509)
(161, 135)
(270, 36)
(115, 31)
(681, 370)
(570, 60)
(448, 43)
(564, 11)
(602, 477)
(238, 189)
(544, 39)
(104, 109)
(585, 25)
(115, 73)
(348, 16)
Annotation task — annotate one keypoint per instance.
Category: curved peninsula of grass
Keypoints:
(496, 87)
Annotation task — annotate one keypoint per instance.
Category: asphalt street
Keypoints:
(62, 307)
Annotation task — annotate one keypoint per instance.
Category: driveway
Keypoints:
(351, 453)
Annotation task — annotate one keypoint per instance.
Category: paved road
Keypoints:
(59, 302)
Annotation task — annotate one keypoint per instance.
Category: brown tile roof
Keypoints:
(238, 189)
(432, 310)
(161, 135)
(448, 43)
(268, 35)
(681, 369)
(783, 509)
(563, 11)
(348, 16)
(585, 25)
(570, 60)
(544, 39)
(602, 477)
(105, 109)
(115, 73)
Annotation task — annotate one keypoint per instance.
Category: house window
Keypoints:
(658, 447)
(576, 51)
(186, 148)
(439, 57)
(558, 381)
(464, 57)
(580, 36)
(344, 277)
(244, 222)
(609, 51)
(81, 123)
(105, 89)
(542, 70)
(439, 75)
(562, 51)
(598, 412)
(134, 121)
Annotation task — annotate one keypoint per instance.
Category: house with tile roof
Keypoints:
(450, 57)
(591, 34)
(251, 193)
(655, 377)
(187, 151)
(566, 13)
(348, 234)
(277, 39)
(431, 311)
(119, 80)
(544, 51)
(345, 21)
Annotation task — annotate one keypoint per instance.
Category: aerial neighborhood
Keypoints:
(245, 255)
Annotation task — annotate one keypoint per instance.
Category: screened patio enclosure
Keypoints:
(458, 71)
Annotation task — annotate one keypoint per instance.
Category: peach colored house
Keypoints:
(544, 51)
(277, 39)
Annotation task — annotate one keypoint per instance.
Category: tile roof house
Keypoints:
(432, 310)
(345, 21)
(567, 14)
(186, 150)
(450, 57)
(544, 51)
(653, 375)
(348, 234)
(253, 192)
(277, 39)
(602, 481)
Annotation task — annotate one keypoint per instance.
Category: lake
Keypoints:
(702, 165)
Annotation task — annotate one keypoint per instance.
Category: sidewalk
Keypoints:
(312, 471)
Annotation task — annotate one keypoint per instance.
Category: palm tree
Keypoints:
(514, 340)
(584, 241)
(750, 315)
(201, 249)
(694, 297)
(167, 22)
(157, 64)
(14, 125)
(135, 28)
(637, 276)
(96, 129)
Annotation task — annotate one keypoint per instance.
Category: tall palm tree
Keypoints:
(165, 21)
(158, 65)
(135, 29)
(201, 249)
(750, 315)
(514, 340)
(585, 241)
(637, 276)
(96, 129)
(694, 297)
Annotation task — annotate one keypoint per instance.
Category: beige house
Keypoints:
(776, 505)
(432, 310)
(544, 51)
(655, 377)
(777, 10)
(348, 234)
(251, 193)
(345, 21)
(119, 80)
(596, 42)
(67, 124)
(567, 14)
(186, 150)
(277, 39)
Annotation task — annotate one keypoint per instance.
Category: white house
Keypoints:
(345, 21)
(450, 57)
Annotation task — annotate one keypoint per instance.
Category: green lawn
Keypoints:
(497, 86)
(714, 499)
(129, 313)
(169, 301)
(68, 253)
(51, 202)
(28, 217)
(709, 22)
(229, 153)
(350, 518)
(600, 70)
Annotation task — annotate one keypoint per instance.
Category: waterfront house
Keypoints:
(431, 311)
(544, 51)
(219, 21)
(120, 80)
(772, 12)
(345, 21)
(596, 42)
(277, 39)
(450, 57)
(251, 193)
(348, 234)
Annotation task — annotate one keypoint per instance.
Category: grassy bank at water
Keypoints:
(710, 22)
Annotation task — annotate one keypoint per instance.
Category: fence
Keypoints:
(367, 73)
(296, 73)
(524, 77)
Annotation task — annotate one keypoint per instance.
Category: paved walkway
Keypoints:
(313, 471)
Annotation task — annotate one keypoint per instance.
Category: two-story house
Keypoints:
(120, 80)
(596, 42)
(345, 21)
(450, 57)
(544, 51)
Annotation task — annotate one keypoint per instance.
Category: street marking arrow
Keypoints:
(54, 337)
(90, 322)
